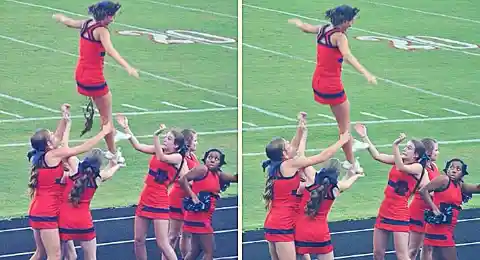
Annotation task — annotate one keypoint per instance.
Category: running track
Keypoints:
(114, 227)
(353, 239)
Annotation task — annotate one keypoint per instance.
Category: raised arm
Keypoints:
(299, 135)
(381, 157)
(305, 27)
(347, 181)
(303, 162)
(69, 22)
(174, 158)
(412, 169)
(62, 124)
(107, 173)
(471, 188)
(144, 148)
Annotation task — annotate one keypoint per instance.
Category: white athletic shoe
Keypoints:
(121, 136)
(348, 166)
(358, 146)
(117, 158)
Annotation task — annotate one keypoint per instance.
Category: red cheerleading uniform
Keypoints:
(327, 79)
(418, 205)
(75, 222)
(176, 195)
(201, 222)
(153, 203)
(45, 205)
(442, 235)
(89, 72)
(283, 212)
(312, 235)
(393, 214)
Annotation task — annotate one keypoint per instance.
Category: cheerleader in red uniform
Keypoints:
(94, 43)
(449, 192)
(418, 206)
(208, 181)
(406, 175)
(312, 235)
(45, 186)
(75, 219)
(164, 167)
(281, 191)
(332, 50)
(176, 195)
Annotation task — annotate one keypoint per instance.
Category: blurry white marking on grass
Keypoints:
(455, 111)
(413, 113)
(373, 115)
(135, 107)
(327, 116)
(248, 123)
(422, 12)
(191, 9)
(173, 105)
(10, 114)
(28, 103)
(213, 103)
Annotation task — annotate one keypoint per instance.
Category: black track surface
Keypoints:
(114, 228)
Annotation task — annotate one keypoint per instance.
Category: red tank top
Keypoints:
(397, 193)
(48, 181)
(192, 161)
(324, 209)
(87, 195)
(329, 57)
(160, 175)
(284, 193)
(451, 196)
(432, 174)
(92, 54)
(209, 183)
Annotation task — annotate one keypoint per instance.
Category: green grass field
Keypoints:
(278, 62)
(197, 79)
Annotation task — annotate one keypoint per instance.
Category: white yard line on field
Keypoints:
(422, 12)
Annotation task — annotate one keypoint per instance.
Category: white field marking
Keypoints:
(270, 113)
(465, 141)
(28, 103)
(422, 12)
(248, 123)
(155, 76)
(85, 107)
(413, 113)
(348, 231)
(121, 24)
(173, 105)
(354, 28)
(10, 114)
(113, 243)
(156, 112)
(327, 116)
(105, 220)
(191, 9)
(373, 115)
(213, 103)
(379, 78)
(232, 131)
(455, 111)
(135, 107)
(393, 252)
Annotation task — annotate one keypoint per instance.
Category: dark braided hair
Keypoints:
(320, 189)
(274, 151)
(88, 171)
(423, 158)
(465, 196)
(182, 150)
(341, 14)
(36, 156)
(102, 9)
